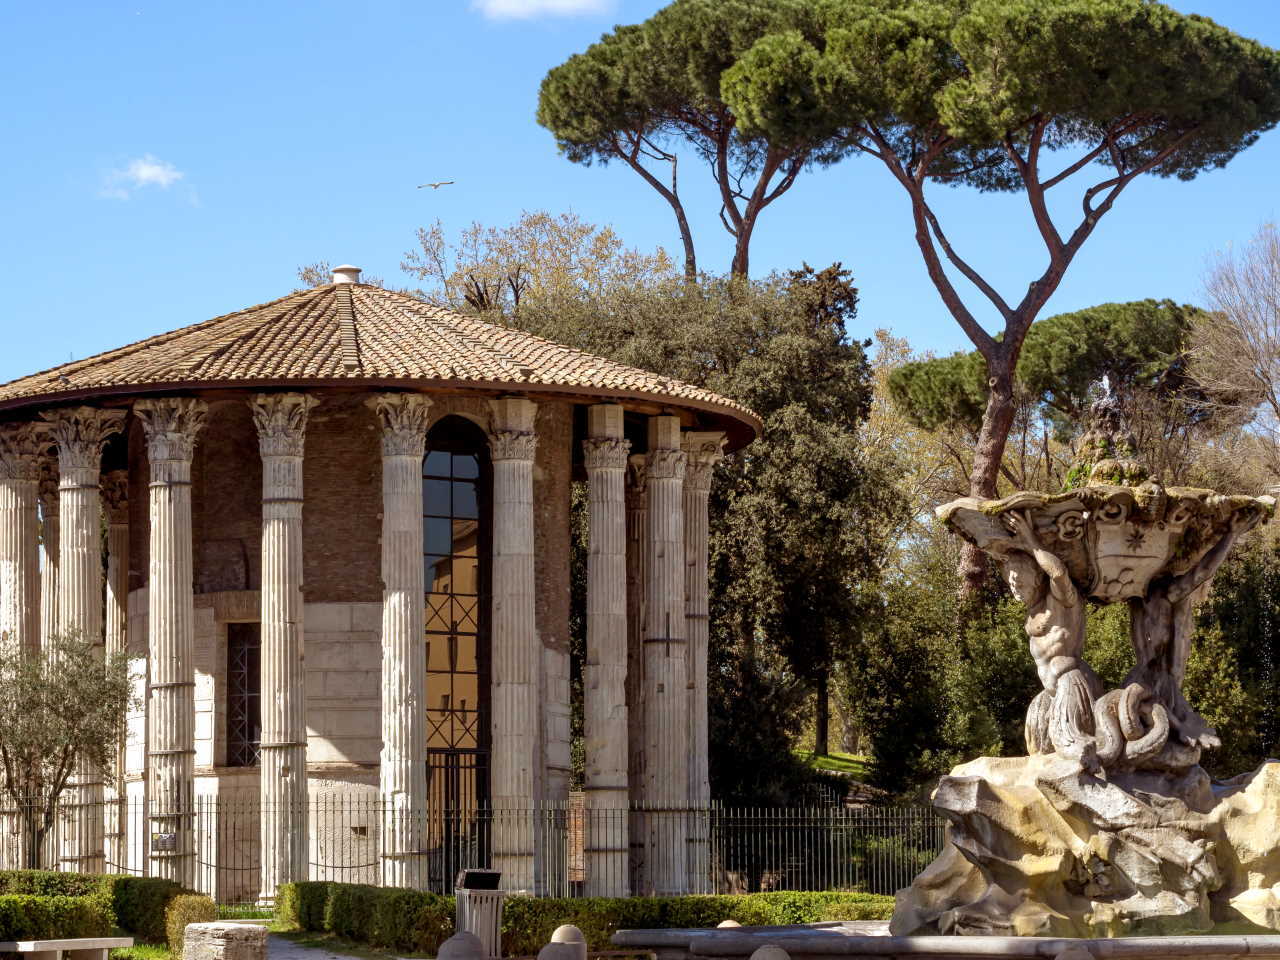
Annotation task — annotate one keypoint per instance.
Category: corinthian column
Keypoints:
(80, 434)
(282, 425)
(403, 770)
(172, 425)
(666, 781)
(605, 672)
(704, 451)
(515, 763)
(115, 494)
(49, 547)
(20, 448)
(637, 494)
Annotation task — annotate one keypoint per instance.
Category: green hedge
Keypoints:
(135, 904)
(406, 920)
(26, 916)
(184, 909)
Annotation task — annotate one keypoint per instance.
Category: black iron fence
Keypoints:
(568, 850)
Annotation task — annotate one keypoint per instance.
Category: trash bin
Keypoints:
(480, 908)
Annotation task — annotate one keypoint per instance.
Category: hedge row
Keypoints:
(25, 916)
(138, 905)
(409, 921)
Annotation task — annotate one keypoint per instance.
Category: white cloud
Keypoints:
(528, 9)
(144, 171)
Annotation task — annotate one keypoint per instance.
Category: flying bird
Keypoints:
(435, 186)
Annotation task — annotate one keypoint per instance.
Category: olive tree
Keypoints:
(1026, 96)
(60, 708)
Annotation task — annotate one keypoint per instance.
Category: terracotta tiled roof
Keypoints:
(354, 332)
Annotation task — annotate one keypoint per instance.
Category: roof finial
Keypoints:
(346, 274)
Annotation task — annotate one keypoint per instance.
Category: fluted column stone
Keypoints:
(637, 499)
(281, 420)
(172, 425)
(402, 772)
(20, 449)
(666, 780)
(605, 454)
(81, 434)
(21, 446)
(115, 495)
(515, 765)
(49, 547)
(704, 452)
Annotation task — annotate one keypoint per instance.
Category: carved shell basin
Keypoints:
(1114, 539)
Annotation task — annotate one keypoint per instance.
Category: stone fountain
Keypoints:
(1109, 826)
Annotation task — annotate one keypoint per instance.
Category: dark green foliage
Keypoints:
(44, 917)
(407, 920)
(1232, 675)
(796, 518)
(1141, 347)
(140, 905)
(644, 91)
(136, 904)
(981, 71)
(184, 909)
(942, 392)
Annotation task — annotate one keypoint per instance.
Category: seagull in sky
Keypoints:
(435, 186)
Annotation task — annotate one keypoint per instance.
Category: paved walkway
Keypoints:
(278, 948)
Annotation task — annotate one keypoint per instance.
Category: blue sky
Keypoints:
(168, 162)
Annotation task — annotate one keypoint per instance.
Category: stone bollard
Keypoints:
(727, 923)
(224, 941)
(770, 952)
(461, 946)
(567, 943)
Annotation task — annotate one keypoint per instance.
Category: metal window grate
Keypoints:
(244, 694)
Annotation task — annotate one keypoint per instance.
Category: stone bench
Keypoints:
(81, 948)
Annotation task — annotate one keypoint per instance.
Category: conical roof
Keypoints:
(346, 334)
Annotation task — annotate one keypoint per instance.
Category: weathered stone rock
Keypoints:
(1039, 847)
(224, 941)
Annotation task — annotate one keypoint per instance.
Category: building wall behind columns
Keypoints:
(139, 516)
(344, 663)
(226, 505)
(341, 523)
(341, 514)
(551, 492)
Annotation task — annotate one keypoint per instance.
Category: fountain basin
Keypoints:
(845, 940)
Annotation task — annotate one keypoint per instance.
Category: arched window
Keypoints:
(456, 532)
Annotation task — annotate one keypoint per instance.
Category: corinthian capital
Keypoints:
(115, 495)
(664, 464)
(404, 418)
(21, 446)
(705, 450)
(171, 425)
(606, 454)
(281, 419)
(512, 445)
(81, 433)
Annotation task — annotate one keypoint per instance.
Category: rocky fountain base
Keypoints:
(1038, 847)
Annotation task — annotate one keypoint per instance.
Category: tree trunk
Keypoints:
(742, 246)
(997, 420)
(686, 237)
(822, 716)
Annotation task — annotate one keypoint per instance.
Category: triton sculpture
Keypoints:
(1109, 826)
